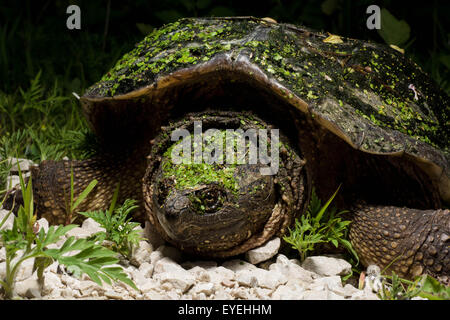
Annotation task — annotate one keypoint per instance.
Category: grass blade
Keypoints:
(325, 206)
(84, 194)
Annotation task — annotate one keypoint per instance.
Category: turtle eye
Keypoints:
(209, 199)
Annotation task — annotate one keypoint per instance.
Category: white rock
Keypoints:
(150, 285)
(52, 282)
(138, 278)
(238, 265)
(59, 243)
(28, 288)
(263, 253)
(292, 271)
(92, 226)
(155, 256)
(167, 265)
(170, 252)
(200, 274)
(197, 296)
(24, 164)
(141, 254)
(8, 222)
(330, 283)
(222, 295)
(67, 292)
(327, 266)
(204, 264)
(70, 282)
(88, 286)
(153, 295)
(114, 295)
(55, 294)
(175, 281)
(316, 295)
(246, 278)
(79, 233)
(240, 293)
(268, 279)
(2, 270)
(2, 254)
(173, 295)
(361, 295)
(291, 291)
(261, 293)
(170, 273)
(43, 224)
(347, 291)
(206, 288)
(53, 268)
(146, 269)
(25, 269)
(221, 275)
(12, 181)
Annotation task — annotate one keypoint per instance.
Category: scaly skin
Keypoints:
(51, 185)
(411, 241)
(414, 241)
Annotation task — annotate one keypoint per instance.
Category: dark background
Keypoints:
(33, 34)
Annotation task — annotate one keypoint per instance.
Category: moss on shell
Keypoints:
(365, 79)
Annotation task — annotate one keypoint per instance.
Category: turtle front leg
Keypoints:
(52, 185)
(414, 241)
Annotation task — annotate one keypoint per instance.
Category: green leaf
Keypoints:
(114, 198)
(432, 289)
(319, 215)
(335, 242)
(55, 233)
(40, 263)
(393, 31)
(84, 194)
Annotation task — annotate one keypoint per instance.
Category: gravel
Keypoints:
(161, 271)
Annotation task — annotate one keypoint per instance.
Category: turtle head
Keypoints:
(214, 216)
(219, 208)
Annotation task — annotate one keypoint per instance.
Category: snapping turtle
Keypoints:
(349, 112)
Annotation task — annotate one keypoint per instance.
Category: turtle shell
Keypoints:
(369, 95)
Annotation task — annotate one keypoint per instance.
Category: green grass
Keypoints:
(320, 224)
(41, 123)
(25, 241)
